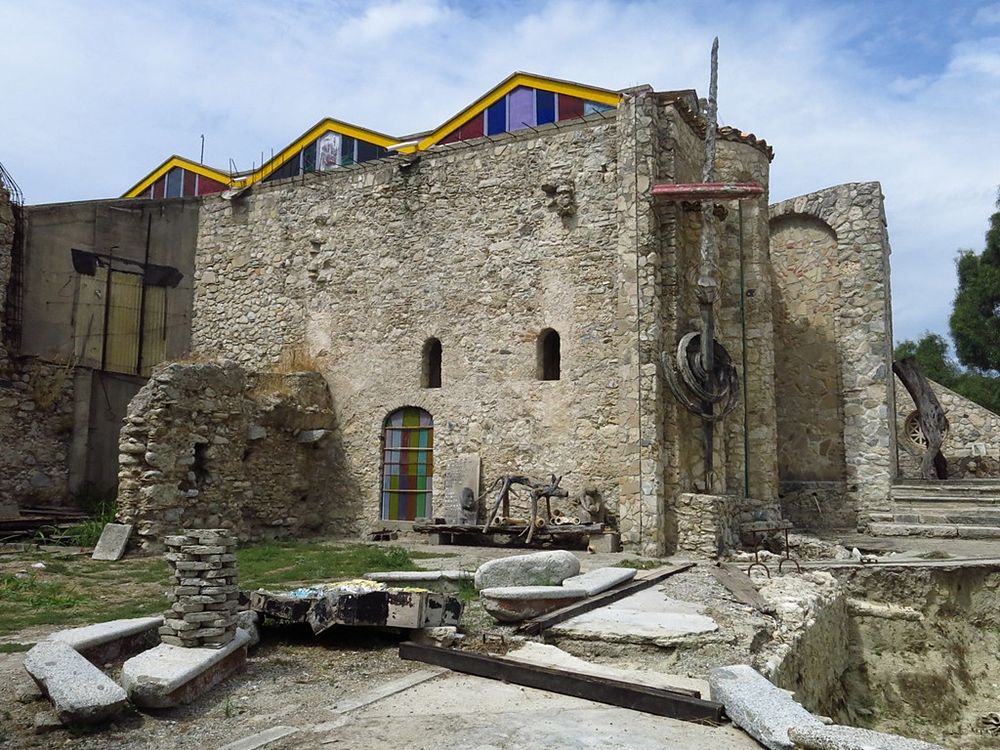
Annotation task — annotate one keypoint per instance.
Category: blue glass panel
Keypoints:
(545, 106)
(496, 118)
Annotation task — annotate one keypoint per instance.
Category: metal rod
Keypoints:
(142, 296)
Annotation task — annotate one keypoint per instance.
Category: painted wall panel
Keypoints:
(545, 106)
(496, 118)
(570, 107)
(521, 102)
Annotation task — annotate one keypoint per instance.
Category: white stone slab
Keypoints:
(113, 541)
(549, 568)
(460, 473)
(649, 615)
(261, 739)
(81, 639)
(851, 738)
(601, 579)
(79, 691)
(150, 677)
(761, 709)
(412, 576)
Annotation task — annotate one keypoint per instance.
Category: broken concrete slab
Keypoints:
(168, 676)
(517, 603)
(648, 617)
(435, 580)
(115, 639)
(114, 539)
(261, 739)
(79, 691)
(761, 709)
(851, 738)
(601, 579)
(548, 568)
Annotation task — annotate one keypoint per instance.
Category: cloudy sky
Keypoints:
(95, 94)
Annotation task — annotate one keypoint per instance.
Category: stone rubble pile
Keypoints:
(205, 597)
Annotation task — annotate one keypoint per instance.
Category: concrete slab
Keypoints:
(113, 541)
(261, 739)
(542, 654)
(107, 641)
(763, 710)
(649, 616)
(79, 691)
(168, 676)
(851, 738)
(600, 579)
(549, 568)
(434, 580)
(439, 713)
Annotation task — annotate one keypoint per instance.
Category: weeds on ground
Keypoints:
(638, 564)
(15, 648)
(467, 591)
(279, 563)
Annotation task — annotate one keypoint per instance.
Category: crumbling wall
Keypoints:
(707, 525)
(833, 330)
(972, 445)
(36, 404)
(204, 447)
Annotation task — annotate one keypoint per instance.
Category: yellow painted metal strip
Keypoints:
(176, 161)
(326, 126)
(602, 96)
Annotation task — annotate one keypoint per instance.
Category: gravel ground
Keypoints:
(292, 678)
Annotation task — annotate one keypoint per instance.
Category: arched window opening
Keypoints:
(430, 376)
(407, 464)
(547, 355)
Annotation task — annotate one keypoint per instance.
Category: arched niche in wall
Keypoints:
(407, 464)
(548, 357)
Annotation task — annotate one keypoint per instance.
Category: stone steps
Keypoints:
(963, 509)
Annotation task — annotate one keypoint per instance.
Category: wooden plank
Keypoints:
(538, 624)
(738, 584)
(659, 701)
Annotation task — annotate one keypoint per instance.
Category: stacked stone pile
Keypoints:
(205, 596)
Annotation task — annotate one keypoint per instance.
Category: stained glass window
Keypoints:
(407, 464)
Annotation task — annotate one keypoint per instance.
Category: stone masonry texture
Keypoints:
(464, 244)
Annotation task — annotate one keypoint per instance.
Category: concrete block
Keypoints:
(79, 691)
(607, 542)
(107, 641)
(761, 709)
(600, 580)
(170, 675)
(113, 541)
(850, 738)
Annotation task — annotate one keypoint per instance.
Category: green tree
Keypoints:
(975, 317)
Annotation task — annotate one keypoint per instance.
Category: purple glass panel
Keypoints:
(521, 105)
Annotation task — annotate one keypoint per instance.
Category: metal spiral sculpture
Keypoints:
(698, 389)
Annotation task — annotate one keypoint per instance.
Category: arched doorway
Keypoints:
(407, 464)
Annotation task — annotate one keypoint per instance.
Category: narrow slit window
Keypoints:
(431, 369)
(548, 355)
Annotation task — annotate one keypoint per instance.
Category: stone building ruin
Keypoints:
(500, 288)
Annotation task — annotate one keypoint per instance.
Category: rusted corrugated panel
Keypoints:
(121, 353)
(154, 337)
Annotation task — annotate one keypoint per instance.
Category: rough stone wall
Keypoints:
(464, 245)
(972, 446)
(202, 447)
(830, 254)
(707, 525)
(36, 409)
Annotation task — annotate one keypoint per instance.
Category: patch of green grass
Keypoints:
(278, 563)
(467, 591)
(14, 648)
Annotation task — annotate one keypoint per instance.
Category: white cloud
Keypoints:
(97, 94)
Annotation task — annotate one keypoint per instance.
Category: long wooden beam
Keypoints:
(544, 622)
(675, 704)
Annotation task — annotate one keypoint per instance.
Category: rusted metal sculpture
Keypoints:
(933, 464)
(539, 490)
(702, 376)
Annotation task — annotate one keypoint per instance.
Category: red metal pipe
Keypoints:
(708, 191)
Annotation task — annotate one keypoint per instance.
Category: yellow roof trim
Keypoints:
(175, 161)
(326, 125)
(588, 93)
